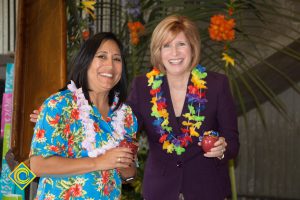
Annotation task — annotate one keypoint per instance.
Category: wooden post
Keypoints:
(40, 64)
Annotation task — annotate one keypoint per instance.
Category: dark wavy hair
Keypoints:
(83, 60)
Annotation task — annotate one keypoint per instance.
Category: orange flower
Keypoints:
(136, 30)
(221, 29)
(134, 40)
(85, 34)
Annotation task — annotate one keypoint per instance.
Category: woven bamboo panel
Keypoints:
(269, 160)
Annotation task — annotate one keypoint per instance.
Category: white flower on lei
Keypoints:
(89, 142)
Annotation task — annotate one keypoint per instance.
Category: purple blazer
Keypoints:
(197, 177)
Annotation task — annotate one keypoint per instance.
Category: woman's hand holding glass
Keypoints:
(119, 157)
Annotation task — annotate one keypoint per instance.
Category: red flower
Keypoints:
(70, 152)
(54, 148)
(188, 138)
(75, 114)
(108, 119)
(76, 190)
(184, 130)
(163, 138)
(55, 120)
(67, 195)
(71, 140)
(128, 121)
(67, 129)
(105, 177)
(202, 94)
(154, 91)
(161, 105)
(192, 89)
(40, 133)
(74, 97)
(106, 190)
(96, 127)
(184, 141)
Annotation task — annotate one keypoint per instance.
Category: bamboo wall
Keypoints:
(269, 160)
(7, 25)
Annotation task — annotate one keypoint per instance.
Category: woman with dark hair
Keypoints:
(75, 147)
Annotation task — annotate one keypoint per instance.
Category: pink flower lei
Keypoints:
(89, 142)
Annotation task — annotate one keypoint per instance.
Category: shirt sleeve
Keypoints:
(131, 124)
(48, 139)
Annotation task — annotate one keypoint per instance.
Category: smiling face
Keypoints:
(106, 67)
(176, 55)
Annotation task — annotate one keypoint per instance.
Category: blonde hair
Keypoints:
(166, 31)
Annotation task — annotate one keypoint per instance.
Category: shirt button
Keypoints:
(179, 164)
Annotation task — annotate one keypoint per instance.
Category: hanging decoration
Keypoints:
(221, 29)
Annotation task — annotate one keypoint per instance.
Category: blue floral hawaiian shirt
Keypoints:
(59, 132)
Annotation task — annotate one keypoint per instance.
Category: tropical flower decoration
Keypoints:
(88, 7)
(135, 27)
(136, 30)
(80, 23)
(221, 29)
(196, 98)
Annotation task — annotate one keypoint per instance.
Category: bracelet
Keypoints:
(128, 179)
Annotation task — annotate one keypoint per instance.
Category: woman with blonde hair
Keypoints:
(175, 104)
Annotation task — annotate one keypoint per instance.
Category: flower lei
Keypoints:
(196, 95)
(89, 142)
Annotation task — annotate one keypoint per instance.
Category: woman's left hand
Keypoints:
(218, 149)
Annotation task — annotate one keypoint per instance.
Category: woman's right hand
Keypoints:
(34, 116)
(119, 157)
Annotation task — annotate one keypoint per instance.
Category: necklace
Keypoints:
(196, 98)
(118, 120)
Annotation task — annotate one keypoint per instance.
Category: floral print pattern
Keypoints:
(59, 132)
